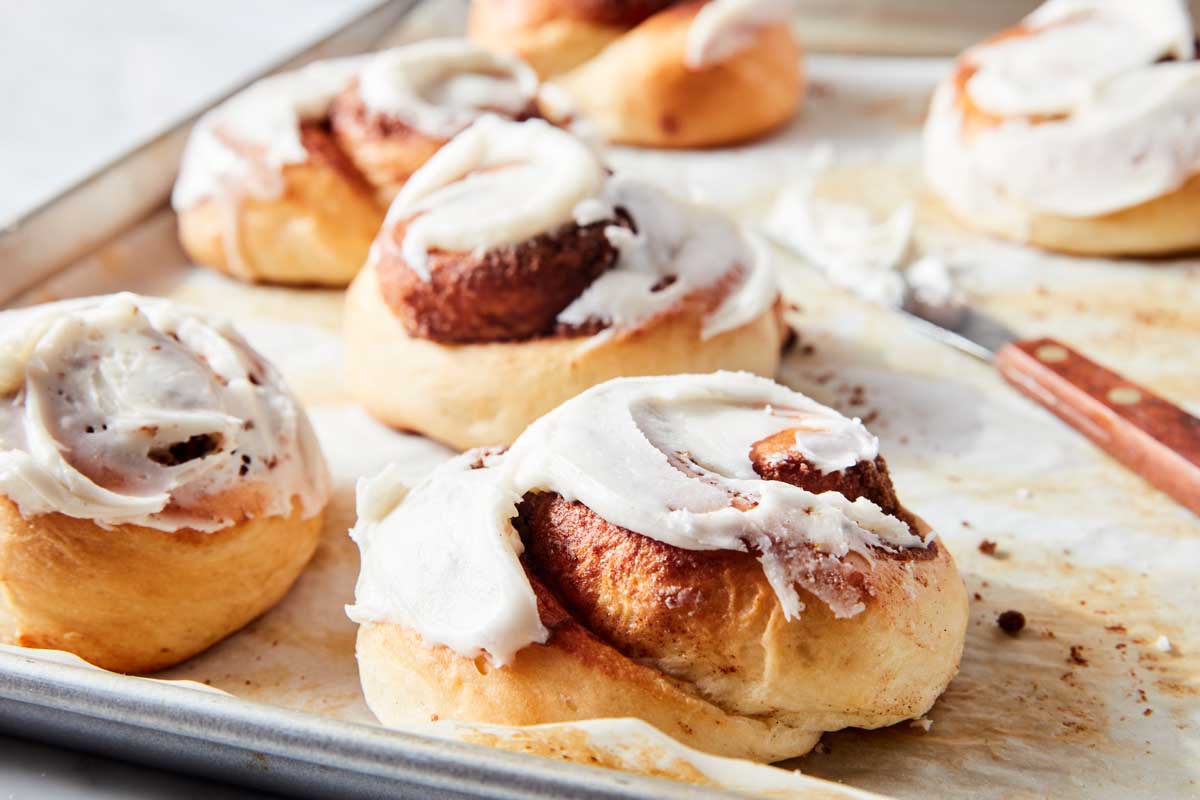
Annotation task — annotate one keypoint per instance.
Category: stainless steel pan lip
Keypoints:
(220, 736)
(77, 220)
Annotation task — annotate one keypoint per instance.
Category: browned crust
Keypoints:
(510, 293)
(774, 460)
(1161, 226)
(350, 118)
(318, 140)
(638, 89)
(518, 14)
(386, 148)
(134, 599)
(581, 557)
(316, 231)
(472, 395)
(695, 643)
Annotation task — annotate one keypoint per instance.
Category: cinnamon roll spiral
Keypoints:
(1077, 130)
(159, 485)
(513, 272)
(658, 73)
(714, 554)
(288, 181)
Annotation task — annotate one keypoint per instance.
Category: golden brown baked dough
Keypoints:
(471, 395)
(623, 64)
(161, 485)
(316, 231)
(695, 642)
(135, 599)
(1161, 226)
(504, 294)
(312, 222)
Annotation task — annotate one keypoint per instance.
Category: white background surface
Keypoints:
(84, 81)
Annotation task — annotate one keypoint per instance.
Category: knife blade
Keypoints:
(1145, 432)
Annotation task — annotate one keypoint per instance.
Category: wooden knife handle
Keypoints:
(1151, 436)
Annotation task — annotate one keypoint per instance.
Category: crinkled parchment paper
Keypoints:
(1082, 703)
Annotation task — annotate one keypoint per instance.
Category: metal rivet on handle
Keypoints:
(1124, 396)
(1051, 353)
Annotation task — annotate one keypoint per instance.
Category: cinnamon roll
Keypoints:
(288, 181)
(159, 485)
(714, 554)
(1078, 130)
(513, 272)
(656, 72)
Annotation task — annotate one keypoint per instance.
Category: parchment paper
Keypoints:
(1082, 703)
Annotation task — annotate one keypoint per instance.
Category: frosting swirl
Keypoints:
(1081, 115)
(667, 457)
(500, 183)
(509, 181)
(724, 28)
(129, 410)
(437, 87)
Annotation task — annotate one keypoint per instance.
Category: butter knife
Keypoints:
(1145, 432)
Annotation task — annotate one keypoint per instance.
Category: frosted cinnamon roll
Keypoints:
(513, 272)
(1076, 131)
(714, 554)
(658, 73)
(159, 485)
(288, 181)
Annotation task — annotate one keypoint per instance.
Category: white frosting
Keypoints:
(1078, 45)
(696, 246)
(932, 283)
(1124, 131)
(501, 182)
(724, 28)
(440, 86)
(437, 86)
(496, 183)
(245, 141)
(664, 457)
(846, 242)
(100, 390)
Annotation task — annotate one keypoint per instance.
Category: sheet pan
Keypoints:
(1083, 703)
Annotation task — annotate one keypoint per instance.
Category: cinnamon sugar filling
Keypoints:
(509, 293)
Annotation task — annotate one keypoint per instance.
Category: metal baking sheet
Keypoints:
(1082, 704)
(276, 749)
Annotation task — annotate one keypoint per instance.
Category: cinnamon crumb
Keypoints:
(1147, 712)
(1076, 656)
(1011, 622)
(978, 597)
(1118, 628)
(987, 547)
